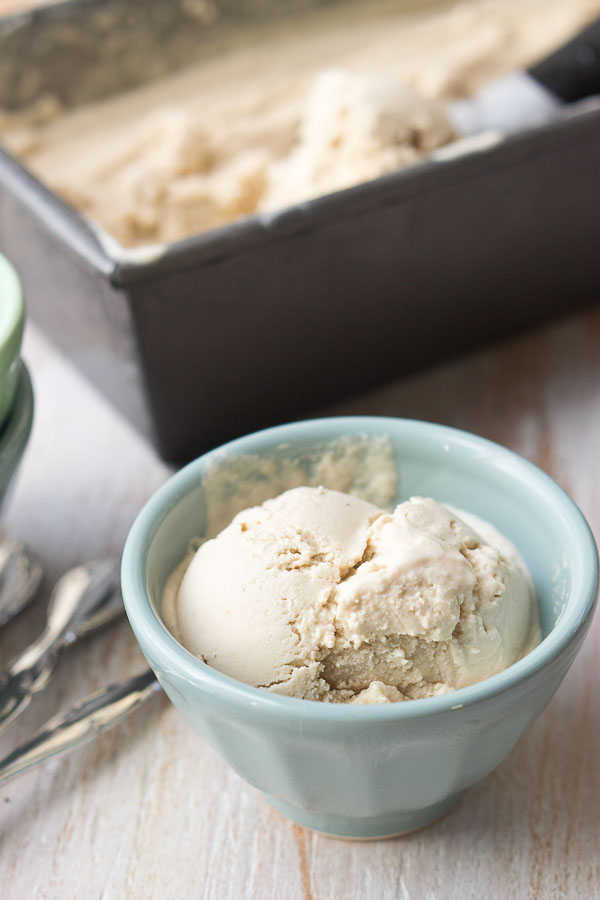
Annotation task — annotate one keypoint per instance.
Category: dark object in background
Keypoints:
(267, 319)
(572, 71)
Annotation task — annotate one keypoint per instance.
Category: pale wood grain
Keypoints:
(149, 811)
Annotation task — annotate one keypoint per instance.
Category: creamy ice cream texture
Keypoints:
(321, 595)
(295, 111)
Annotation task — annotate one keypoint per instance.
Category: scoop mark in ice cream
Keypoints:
(351, 91)
(321, 595)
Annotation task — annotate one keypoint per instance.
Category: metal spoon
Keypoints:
(20, 577)
(81, 723)
(85, 598)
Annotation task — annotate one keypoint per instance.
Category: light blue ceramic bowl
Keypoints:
(360, 771)
(16, 430)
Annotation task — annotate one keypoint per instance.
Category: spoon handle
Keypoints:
(81, 723)
(84, 599)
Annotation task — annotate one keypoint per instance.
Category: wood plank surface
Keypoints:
(150, 811)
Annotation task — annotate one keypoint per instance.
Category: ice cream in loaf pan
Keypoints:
(337, 98)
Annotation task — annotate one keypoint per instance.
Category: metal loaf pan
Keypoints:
(269, 318)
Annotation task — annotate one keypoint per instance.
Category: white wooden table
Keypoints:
(150, 811)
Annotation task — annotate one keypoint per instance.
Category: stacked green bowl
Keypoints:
(16, 395)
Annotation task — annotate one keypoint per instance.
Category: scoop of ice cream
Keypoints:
(321, 595)
(353, 128)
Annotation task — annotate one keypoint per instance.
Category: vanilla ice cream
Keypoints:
(355, 127)
(321, 595)
(281, 114)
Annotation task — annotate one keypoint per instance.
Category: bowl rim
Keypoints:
(12, 314)
(572, 621)
(17, 428)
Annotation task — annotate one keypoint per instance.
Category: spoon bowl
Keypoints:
(20, 577)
